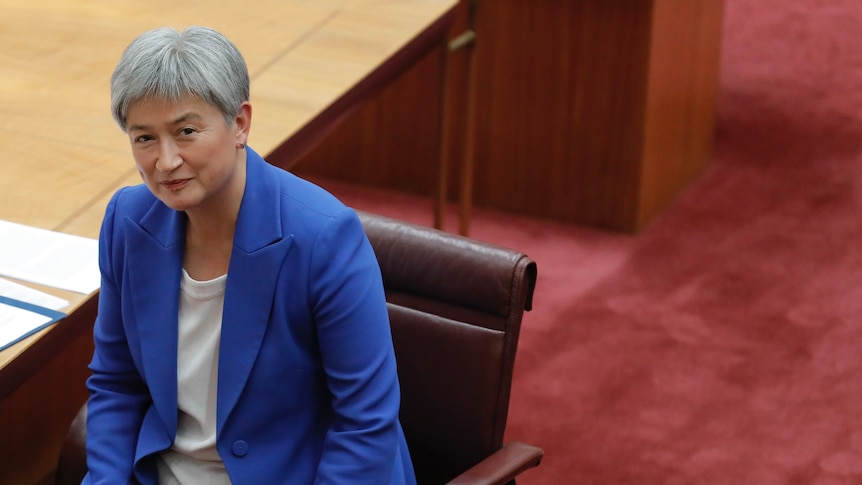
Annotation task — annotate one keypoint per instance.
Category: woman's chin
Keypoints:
(177, 203)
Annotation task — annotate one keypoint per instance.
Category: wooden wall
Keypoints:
(394, 140)
(42, 392)
(596, 112)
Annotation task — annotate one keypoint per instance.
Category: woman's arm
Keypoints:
(356, 346)
(117, 394)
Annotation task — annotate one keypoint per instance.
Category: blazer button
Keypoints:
(239, 448)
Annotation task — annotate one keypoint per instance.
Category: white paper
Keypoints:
(10, 289)
(49, 258)
(16, 323)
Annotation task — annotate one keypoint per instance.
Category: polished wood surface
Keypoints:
(62, 156)
(680, 106)
(607, 111)
(360, 148)
(376, 147)
(595, 112)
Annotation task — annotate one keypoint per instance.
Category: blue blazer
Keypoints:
(307, 383)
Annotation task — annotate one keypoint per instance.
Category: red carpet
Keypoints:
(723, 345)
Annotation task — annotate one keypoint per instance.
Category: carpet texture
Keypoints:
(723, 344)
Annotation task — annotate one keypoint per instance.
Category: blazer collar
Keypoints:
(155, 254)
(258, 254)
(259, 222)
(154, 257)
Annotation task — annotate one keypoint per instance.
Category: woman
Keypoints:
(242, 334)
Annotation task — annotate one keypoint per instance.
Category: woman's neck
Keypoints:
(210, 230)
(209, 242)
(207, 250)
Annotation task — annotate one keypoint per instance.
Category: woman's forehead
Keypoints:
(163, 110)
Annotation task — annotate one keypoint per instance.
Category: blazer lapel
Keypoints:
(255, 262)
(154, 265)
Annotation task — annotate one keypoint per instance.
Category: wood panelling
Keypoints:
(680, 108)
(35, 417)
(596, 112)
(395, 140)
(391, 141)
(561, 107)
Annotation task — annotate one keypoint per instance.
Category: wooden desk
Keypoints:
(62, 156)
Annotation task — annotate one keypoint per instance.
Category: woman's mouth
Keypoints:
(175, 185)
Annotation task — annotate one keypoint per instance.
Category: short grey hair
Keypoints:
(167, 64)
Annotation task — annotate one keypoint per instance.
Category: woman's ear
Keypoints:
(242, 121)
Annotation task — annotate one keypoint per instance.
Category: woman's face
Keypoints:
(187, 154)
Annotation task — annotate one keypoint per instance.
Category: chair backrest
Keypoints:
(72, 464)
(456, 306)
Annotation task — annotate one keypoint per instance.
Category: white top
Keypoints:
(193, 458)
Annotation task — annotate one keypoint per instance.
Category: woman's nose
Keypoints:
(169, 157)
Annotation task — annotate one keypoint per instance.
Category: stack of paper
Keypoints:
(47, 258)
(20, 319)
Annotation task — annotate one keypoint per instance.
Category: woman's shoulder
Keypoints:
(133, 195)
(132, 200)
(307, 193)
(299, 194)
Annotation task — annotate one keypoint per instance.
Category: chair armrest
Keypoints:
(502, 466)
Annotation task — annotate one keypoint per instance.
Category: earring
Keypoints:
(240, 146)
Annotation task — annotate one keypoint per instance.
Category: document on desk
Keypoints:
(49, 258)
(13, 290)
(19, 319)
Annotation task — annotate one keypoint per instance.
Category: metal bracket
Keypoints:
(465, 39)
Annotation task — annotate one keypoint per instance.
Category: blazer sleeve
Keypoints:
(355, 341)
(117, 392)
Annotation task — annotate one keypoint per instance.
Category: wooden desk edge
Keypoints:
(292, 149)
(25, 365)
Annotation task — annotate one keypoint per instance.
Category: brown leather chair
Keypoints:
(72, 465)
(455, 306)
